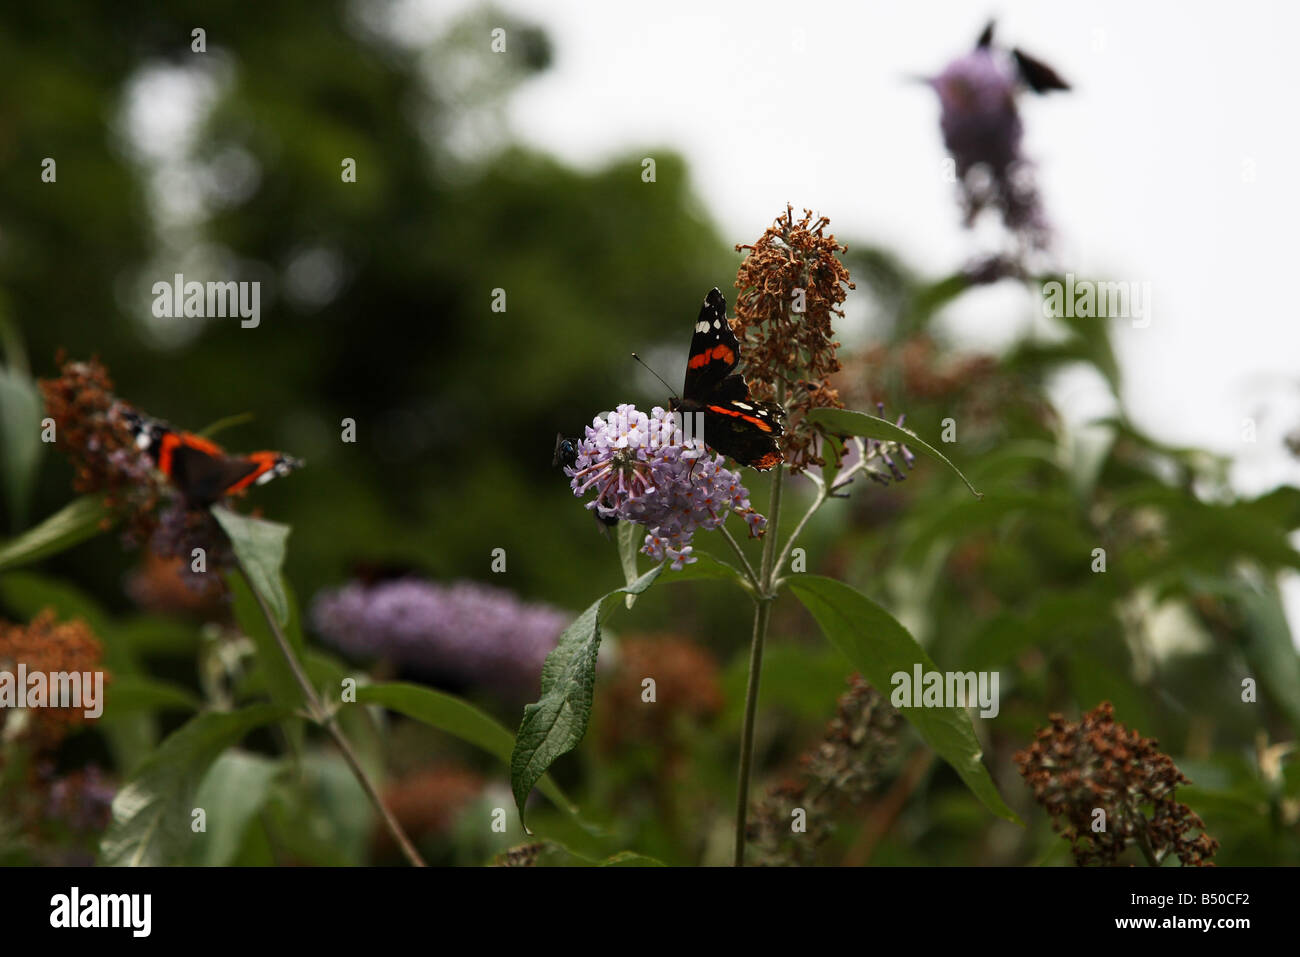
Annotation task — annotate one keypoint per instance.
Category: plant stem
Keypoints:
(823, 493)
(762, 613)
(744, 562)
(326, 719)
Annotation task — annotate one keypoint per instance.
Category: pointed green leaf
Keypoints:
(880, 647)
(553, 725)
(80, 519)
(260, 546)
(152, 810)
(20, 440)
(232, 793)
(848, 422)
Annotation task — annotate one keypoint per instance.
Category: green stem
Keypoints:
(762, 614)
(326, 719)
(744, 562)
(823, 493)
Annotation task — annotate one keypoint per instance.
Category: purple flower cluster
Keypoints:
(181, 529)
(81, 800)
(463, 632)
(982, 130)
(643, 470)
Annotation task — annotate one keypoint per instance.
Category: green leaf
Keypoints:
(848, 422)
(152, 810)
(260, 546)
(554, 724)
(20, 440)
(1270, 649)
(630, 537)
(232, 793)
(880, 647)
(456, 717)
(134, 693)
(80, 519)
(26, 594)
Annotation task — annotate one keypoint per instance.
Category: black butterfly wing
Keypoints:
(740, 427)
(714, 350)
(986, 37)
(1038, 76)
(744, 431)
(203, 477)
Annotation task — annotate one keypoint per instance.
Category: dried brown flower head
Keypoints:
(426, 803)
(687, 687)
(842, 768)
(48, 646)
(791, 284)
(98, 441)
(164, 586)
(1076, 768)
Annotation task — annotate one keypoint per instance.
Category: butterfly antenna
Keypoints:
(655, 374)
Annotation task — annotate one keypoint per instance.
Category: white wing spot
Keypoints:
(702, 326)
(716, 324)
(741, 405)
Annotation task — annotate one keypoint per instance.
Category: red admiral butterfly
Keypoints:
(735, 425)
(200, 469)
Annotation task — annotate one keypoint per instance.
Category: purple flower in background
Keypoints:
(463, 632)
(982, 131)
(644, 471)
(81, 800)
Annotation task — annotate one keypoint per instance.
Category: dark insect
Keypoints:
(202, 471)
(566, 453)
(734, 424)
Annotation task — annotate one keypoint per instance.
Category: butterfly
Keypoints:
(201, 470)
(734, 424)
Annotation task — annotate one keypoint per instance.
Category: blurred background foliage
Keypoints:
(377, 306)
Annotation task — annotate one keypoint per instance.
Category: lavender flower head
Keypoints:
(982, 131)
(644, 470)
(466, 632)
(979, 119)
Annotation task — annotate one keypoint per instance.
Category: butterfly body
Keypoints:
(202, 471)
(735, 425)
